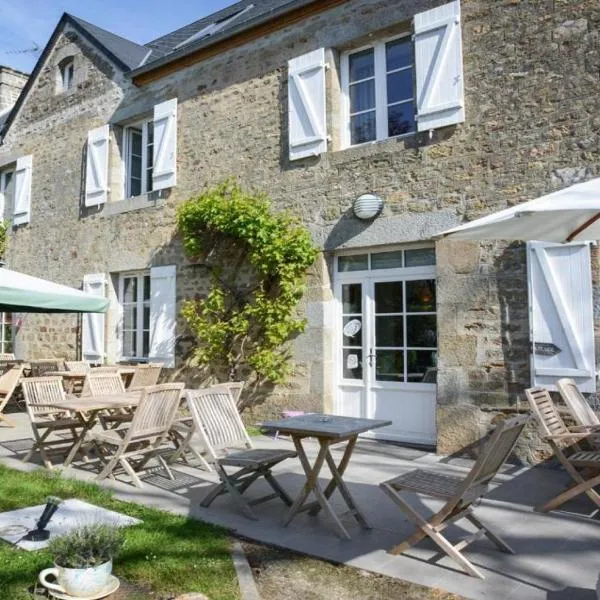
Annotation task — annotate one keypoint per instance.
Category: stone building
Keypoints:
(445, 111)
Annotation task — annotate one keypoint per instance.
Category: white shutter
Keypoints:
(439, 68)
(561, 314)
(162, 315)
(306, 105)
(92, 332)
(164, 172)
(22, 206)
(96, 168)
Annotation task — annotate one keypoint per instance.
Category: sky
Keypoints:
(27, 24)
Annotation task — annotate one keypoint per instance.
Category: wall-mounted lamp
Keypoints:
(367, 206)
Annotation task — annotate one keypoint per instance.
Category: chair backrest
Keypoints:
(41, 393)
(577, 404)
(102, 384)
(155, 411)
(546, 413)
(78, 366)
(235, 388)
(39, 368)
(8, 384)
(7, 356)
(145, 375)
(217, 419)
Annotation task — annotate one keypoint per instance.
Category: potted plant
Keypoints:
(83, 561)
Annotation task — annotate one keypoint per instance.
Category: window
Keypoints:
(139, 148)
(395, 259)
(6, 333)
(67, 70)
(7, 192)
(134, 296)
(378, 83)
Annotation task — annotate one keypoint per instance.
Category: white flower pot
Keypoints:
(80, 583)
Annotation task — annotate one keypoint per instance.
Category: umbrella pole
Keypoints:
(581, 228)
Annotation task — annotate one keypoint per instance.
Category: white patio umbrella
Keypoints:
(569, 215)
(24, 293)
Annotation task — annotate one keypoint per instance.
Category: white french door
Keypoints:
(387, 342)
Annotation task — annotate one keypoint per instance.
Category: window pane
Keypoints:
(146, 344)
(146, 318)
(136, 167)
(129, 316)
(401, 119)
(149, 180)
(352, 363)
(388, 297)
(399, 54)
(135, 137)
(420, 258)
(352, 332)
(352, 298)
(146, 287)
(389, 331)
(362, 96)
(386, 260)
(389, 365)
(356, 262)
(421, 331)
(135, 187)
(150, 129)
(129, 343)
(422, 366)
(400, 86)
(130, 289)
(420, 296)
(361, 65)
(362, 128)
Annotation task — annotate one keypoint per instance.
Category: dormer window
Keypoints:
(67, 70)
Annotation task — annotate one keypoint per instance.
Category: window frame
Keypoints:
(4, 324)
(4, 172)
(67, 74)
(381, 97)
(147, 152)
(140, 303)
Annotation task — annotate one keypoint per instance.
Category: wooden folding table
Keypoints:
(328, 430)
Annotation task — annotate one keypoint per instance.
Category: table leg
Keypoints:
(87, 425)
(312, 485)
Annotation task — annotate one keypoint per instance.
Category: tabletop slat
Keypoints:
(88, 403)
(323, 425)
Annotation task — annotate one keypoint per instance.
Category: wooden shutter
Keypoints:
(164, 173)
(439, 68)
(162, 315)
(22, 206)
(561, 314)
(306, 105)
(96, 168)
(92, 331)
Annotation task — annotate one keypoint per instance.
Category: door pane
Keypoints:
(352, 298)
(389, 331)
(356, 262)
(388, 297)
(352, 367)
(420, 296)
(421, 331)
(389, 365)
(422, 365)
(352, 332)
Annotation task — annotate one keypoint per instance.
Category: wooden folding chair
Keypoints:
(581, 464)
(77, 366)
(218, 423)
(145, 375)
(8, 384)
(107, 384)
(235, 389)
(578, 406)
(134, 446)
(460, 495)
(40, 394)
(38, 368)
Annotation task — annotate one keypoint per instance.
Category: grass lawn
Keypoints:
(166, 554)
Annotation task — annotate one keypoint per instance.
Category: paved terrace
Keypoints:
(557, 555)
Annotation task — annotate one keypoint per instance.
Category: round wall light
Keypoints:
(367, 206)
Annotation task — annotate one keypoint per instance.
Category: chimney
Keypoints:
(11, 84)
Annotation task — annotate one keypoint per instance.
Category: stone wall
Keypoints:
(11, 84)
(532, 104)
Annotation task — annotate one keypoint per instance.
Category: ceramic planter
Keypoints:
(80, 583)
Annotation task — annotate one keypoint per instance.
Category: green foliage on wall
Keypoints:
(257, 260)
(3, 238)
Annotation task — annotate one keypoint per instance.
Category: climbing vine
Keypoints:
(3, 238)
(257, 260)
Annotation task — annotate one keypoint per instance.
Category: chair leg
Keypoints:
(277, 488)
(582, 487)
(131, 472)
(228, 483)
(491, 535)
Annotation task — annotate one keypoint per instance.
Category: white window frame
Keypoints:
(67, 74)
(4, 324)
(3, 176)
(147, 150)
(381, 103)
(140, 303)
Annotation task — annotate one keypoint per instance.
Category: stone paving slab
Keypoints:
(557, 556)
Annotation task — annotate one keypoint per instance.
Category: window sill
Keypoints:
(150, 200)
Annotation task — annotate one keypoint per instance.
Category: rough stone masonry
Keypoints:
(532, 103)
